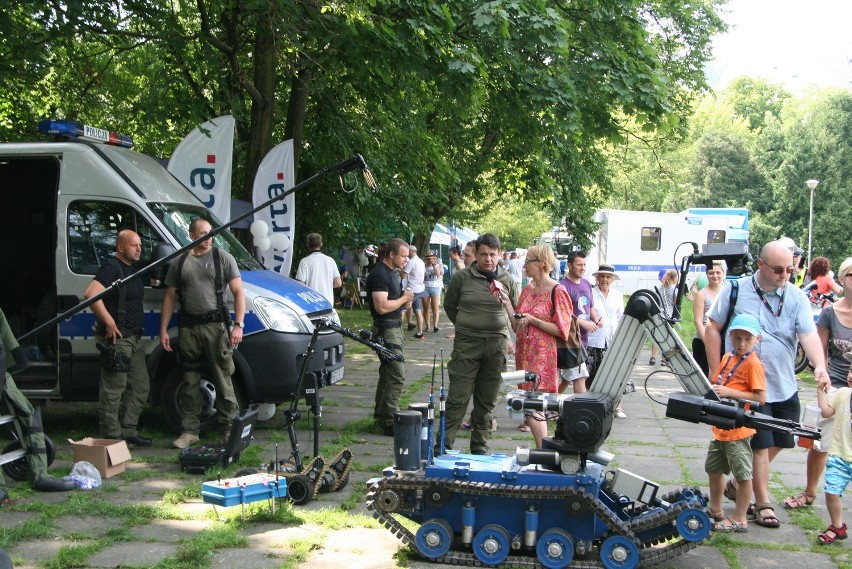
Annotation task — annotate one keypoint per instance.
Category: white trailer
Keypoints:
(639, 244)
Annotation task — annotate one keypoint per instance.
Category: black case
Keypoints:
(198, 460)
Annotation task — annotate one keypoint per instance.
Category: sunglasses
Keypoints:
(782, 270)
(530, 261)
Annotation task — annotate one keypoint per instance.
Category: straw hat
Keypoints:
(606, 269)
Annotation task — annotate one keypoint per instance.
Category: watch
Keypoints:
(239, 324)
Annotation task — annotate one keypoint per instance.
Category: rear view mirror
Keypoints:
(161, 251)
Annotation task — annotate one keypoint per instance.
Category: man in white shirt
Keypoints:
(319, 271)
(416, 271)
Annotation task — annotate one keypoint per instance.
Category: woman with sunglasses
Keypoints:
(541, 321)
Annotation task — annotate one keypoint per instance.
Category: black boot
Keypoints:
(51, 484)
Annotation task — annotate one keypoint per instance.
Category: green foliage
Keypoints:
(516, 223)
(449, 102)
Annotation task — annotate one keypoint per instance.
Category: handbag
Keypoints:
(570, 353)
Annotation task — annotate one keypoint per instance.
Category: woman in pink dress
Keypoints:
(547, 313)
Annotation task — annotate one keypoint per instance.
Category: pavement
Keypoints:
(667, 451)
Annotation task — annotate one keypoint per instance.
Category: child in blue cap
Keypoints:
(740, 376)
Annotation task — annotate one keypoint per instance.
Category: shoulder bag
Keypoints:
(570, 353)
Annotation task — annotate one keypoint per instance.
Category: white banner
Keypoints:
(275, 175)
(202, 162)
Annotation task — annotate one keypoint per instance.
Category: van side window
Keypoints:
(651, 239)
(716, 236)
(92, 229)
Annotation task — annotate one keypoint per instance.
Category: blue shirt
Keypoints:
(779, 335)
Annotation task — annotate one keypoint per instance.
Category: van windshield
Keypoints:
(176, 217)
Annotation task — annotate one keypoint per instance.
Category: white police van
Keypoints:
(62, 206)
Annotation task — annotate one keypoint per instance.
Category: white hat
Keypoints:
(787, 242)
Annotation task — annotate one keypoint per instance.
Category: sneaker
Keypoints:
(184, 440)
(419, 335)
(620, 414)
(435, 329)
(137, 440)
(412, 326)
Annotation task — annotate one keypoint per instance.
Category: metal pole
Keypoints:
(811, 227)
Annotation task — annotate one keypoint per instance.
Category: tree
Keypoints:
(448, 101)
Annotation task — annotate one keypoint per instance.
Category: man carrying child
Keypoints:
(740, 375)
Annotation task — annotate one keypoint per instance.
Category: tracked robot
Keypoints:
(561, 506)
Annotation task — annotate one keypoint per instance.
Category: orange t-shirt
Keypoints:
(749, 376)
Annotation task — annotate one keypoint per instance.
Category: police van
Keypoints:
(63, 204)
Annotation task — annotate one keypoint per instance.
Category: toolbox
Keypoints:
(200, 459)
(244, 489)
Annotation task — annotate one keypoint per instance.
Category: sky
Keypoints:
(797, 43)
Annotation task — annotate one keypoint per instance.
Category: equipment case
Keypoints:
(198, 460)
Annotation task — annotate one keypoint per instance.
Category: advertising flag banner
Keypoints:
(202, 162)
(274, 177)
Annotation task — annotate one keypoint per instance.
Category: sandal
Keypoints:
(765, 520)
(839, 533)
(523, 428)
(652, 362)
(730, 491)
(800, 500)
(730, 525)
(717, 516)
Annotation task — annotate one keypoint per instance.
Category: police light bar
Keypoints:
(84, 132)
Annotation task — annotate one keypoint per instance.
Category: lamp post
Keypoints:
(812, 184)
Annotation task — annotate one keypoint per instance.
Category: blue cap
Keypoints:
(661, 274)
(746, 322)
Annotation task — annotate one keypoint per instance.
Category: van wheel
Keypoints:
(20, 469)
(171, 399)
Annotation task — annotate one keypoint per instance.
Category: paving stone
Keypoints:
(132, 553)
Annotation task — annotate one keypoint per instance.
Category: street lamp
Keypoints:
(812, 184)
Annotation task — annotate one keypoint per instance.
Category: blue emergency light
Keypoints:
(84, 132)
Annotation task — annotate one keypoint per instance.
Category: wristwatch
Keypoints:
(239, 324)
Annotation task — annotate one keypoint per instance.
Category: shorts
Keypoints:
(433, 291)
(724, 457)
(574, 373)
(417, 303)
(838, 473)
(789, 410)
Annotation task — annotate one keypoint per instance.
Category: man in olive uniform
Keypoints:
(124, 376)
(386, 300)
(207, 336)
(474, 303)
(28, 420)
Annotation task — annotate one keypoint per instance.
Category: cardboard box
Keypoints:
(107, 455)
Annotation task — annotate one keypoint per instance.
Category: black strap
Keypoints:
(122, 297)
(732, 302)
(218, 283)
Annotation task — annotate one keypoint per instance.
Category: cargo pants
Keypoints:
(391, 378)
(123, 394)
(474, 371)
(207, 344)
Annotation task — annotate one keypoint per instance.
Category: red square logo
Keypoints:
(211, 158)
(280, 175)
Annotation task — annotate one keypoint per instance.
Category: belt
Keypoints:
(387, 324)
(199, 319)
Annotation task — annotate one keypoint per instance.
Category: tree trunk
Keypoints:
(262, 110)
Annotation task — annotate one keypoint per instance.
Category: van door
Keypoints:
(29, 186)
(92, 225)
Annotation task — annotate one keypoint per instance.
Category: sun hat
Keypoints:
(746, 322)
(432, 254)
(606, 269)
(787, 242)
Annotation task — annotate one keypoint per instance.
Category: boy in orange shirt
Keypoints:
(740, 376)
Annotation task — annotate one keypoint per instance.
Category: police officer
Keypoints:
(386, 300)
(27, 419)
(207, 336)
(124, 376)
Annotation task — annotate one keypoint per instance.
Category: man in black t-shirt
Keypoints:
(124, 376)
(386, 300)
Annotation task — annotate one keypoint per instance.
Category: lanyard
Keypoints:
(765, 302)
(733, 369)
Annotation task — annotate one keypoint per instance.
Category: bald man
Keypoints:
(785, 319)
(118, 331)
